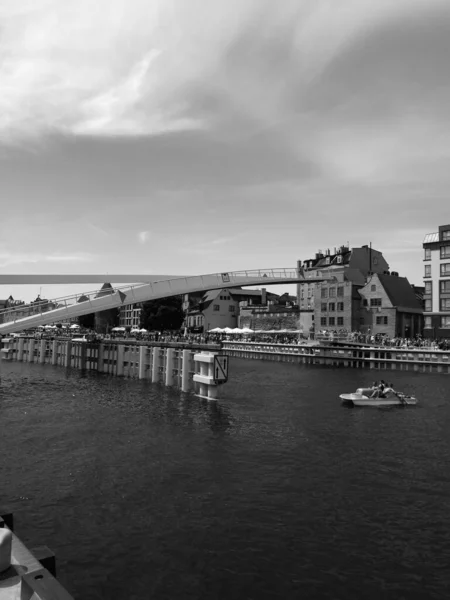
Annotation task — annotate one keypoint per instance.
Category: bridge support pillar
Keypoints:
(101, 351)
(186, 365)
(20, 350)
(155, 364)
(68, 355)
(31, 350)
(54, 352)
(42, 351)
(204, 375)
(120, 359)
(169, 366)
(142, 356)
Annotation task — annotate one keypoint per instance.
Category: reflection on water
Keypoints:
(276, 491)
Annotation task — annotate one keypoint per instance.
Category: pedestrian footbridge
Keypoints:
(69, 307)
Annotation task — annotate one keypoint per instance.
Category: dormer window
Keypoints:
(327, 260)
(339, 259)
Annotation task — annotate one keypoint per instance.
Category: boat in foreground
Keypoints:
(362, 398)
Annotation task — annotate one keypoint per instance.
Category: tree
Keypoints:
(162, 314)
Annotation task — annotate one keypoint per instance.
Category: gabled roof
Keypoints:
(355, 276)
(400, 293)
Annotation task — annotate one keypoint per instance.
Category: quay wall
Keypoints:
(170, 363)
(425, 360)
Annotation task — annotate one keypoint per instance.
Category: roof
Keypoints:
(355, 276)
(400, 293)
(430, 238)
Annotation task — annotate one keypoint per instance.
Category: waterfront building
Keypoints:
(436, 247)
(270, 317)
(336, 305)
(390, 306)
(130, 315)
(220, 308)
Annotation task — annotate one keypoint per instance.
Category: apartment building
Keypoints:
(436, 247)
(336, 305)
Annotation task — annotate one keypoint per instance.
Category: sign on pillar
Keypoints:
(220, 368)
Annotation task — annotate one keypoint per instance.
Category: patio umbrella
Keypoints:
(236, 330)
(143, 330)
(118, 329)
(135, 331)
(215, 330)
(247, 330)
(227, 330)
(74, 326)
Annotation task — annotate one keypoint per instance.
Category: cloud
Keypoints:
(130, 67)
(143, 236)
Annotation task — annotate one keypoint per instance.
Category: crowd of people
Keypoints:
(268, 338)
(384, 340)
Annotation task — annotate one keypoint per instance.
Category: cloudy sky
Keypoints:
(195, 136)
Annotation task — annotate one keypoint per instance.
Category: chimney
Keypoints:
(264, 296)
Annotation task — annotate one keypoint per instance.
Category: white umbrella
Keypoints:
(247, 330)
(118, 329)
(143, 330)
(236, 330)
(215, 330)
(135, 331)
(227, 330)
(74, 326)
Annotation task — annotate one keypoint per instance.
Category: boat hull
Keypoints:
(361, 400)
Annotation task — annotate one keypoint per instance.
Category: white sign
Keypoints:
(221, 368)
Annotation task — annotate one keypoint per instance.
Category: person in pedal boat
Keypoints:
(379, 390)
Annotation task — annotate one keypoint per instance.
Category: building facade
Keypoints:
(130, 315)
(436, 247)
(336, 305)
(390, 306)
(220, 308)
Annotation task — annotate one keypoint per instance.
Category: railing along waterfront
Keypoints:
(420, 359)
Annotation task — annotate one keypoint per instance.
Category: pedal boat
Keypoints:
(362, 398)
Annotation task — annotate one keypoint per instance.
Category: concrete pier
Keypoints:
(424, 360)
(170, 364)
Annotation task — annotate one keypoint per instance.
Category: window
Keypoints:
(445, 304)
(332, 307)
(444, 287)
(216, 307)
(365, 302)
(427, 323)
(331, 320)
(445, 270)
(323, 320)
(382, 321)
(427, 271)
(339, 259)
(445, 322)
(340, 306)
(429, 287)
(324, 293)
(323, 307)
(446, 235)
(427, 254)
(375, 302)
(332, 292)
(231, 308)
(373, 288)
(340, 320)
(340, 291)
(428, 305)
(445, 251)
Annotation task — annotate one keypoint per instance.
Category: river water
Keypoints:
(276, 491)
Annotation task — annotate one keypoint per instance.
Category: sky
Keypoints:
(198, 136)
